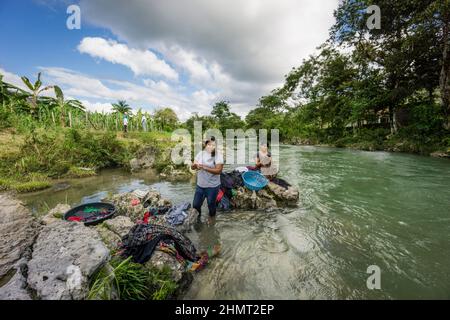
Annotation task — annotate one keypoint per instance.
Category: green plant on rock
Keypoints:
(127, 280)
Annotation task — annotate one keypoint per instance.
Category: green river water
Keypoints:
(356, 209)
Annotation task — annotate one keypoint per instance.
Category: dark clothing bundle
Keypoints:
(231, 180)
(281, 182)
(142, 239)
(228, 182)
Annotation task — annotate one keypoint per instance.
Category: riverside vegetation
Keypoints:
(388, 90)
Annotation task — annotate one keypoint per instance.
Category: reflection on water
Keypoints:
(356, 209)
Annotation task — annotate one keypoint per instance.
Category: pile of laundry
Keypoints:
(232, 181)
(145, 237)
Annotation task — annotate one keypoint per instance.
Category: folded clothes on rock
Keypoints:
(177, 214)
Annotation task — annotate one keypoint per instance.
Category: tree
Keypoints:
(121, 107)
(166, 118)
(405, 47)
(225, 118)
(36, 90)
(221, 110)
(63, 105)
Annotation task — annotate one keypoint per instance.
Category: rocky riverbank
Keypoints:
(49, 258)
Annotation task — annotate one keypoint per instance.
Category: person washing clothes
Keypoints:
(209, 164)
(264, 162)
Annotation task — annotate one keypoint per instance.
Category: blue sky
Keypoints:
(161, 54)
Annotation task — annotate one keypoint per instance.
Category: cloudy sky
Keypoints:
(186, 55)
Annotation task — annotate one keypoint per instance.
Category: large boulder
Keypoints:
(16, 286)
(111, 231)
(120, 225)
(131, 204)
(65, 256)
(287, 196)
(145, 158)
(271, 197)
(17, 232)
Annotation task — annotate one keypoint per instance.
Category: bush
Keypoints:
(131, 281)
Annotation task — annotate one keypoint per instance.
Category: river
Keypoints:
(356, 209)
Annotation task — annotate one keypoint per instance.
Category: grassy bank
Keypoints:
(29, 161)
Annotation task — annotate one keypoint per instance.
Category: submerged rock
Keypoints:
(65, 256)
(271, 197)
(287, 196)
(17, 232)
(178, 173)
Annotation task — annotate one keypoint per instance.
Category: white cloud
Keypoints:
(253, 40)
(141, 62)
(12, 79)
(96, 106)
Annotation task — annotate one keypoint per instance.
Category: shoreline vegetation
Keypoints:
(383, 89)
(30, 162)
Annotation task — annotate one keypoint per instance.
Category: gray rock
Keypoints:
(179, 275)
(124, 205)
(17, 232)
(441, 154)
(109, 238)
(119, 225)
(289, 195)
(134, 164)
(55, 214)
(272, 196)
(65, 256)
(16, 287)
(145, 158)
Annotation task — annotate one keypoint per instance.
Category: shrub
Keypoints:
(131, 281)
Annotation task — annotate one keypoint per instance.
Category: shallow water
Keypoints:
(356, 209)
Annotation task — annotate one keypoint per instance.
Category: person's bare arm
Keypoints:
(258, 163)
(216, 170)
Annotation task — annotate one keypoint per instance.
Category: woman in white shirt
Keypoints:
(209, 164)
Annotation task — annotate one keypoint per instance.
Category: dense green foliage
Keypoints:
(126, 280)
(376, 89)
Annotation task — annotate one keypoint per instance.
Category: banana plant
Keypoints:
(11, 95)
(35, 91)
(63, 105)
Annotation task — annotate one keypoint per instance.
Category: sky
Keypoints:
(186, 55)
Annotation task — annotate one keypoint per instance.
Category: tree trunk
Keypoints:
(445, 70)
